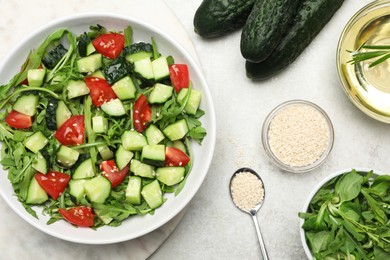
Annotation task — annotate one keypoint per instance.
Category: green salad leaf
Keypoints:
(348, 218)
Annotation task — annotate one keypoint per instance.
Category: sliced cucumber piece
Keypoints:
(133, 141)
(170, 175)
(99, 124)
(152, 194)
(176, 130)
(36, 194)
(36, 142)
(193, 100)
(77, 88)
(67, 156)
(105, 152)
(40, 163)
(26, 104)
(179, 144)
(153, 154)
(123, 157)
(90, 63)
(84, 170)
(142, 169)
(97, 189)
(154, 135)
(62, 113)
(114, 107)
(160, 93)
(133, 190)
(98, 74)
(106, 218)
(124, 88)
(35, 77)
(144, 68)
(139, 56)
(160, 68)
(76, 189)
(90, 49)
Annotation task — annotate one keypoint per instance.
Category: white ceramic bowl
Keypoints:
(139, 225)
(314, 191)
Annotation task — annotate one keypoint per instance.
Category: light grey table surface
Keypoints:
(212, 227)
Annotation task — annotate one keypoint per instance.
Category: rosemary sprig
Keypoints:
(380, 52)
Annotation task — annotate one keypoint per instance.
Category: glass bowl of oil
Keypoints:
(367, 87)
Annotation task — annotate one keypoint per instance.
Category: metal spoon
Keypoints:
(253, 211)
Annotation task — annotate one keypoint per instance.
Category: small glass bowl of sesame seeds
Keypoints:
(298, 136)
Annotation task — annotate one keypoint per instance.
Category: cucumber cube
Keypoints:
(77, 88)
(62, 113)
(160, 93)
(105, 152)
(144, 68)
(153, 154)
(98, 74)
(114, 107)
(35, 77)
(90, 63)
(40, 164)
(36, 142)
(124, 88)
(99, 124)
(154, 135)
(170, 175)
(66, 156)
(97, 189)
(133, 141)
(142, 169)
(176, 130)
(160, 68)
(76, 189)
(193, 100)
(133, 190)
(152, 194)
(36, 194)
(26, 104)
(123, 157)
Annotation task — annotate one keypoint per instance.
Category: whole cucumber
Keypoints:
(266, 24)
(312, 16)
(215, 18)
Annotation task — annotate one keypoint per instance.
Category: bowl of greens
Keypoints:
(107, 128)
(347, 216)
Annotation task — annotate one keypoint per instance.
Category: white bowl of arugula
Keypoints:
(107, 124)
(347, 216)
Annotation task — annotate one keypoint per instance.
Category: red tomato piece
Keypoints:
(112, 172)
(18, 120)
(142, 113)
(109, 44)
(81, 216)
(54, 183)
(175, 157)
(100, 91)
(179, 76)
(71, 132)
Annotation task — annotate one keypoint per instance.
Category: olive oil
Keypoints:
(368, 87)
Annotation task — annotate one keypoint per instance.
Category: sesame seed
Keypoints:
(247, 190)
(298, 135)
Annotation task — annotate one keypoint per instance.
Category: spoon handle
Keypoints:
(260, 237)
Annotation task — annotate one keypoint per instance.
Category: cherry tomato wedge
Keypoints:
(175, 157)
(109, 44)
(18, 120)
(100, 91)
(54, 183)
(112, 172)
(81, 216)
(179, 76)
(142, 113)
(71, 132)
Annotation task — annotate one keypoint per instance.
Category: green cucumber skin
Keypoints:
(266, 24)
(312, 17)
(215, 18)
